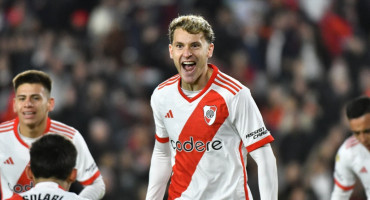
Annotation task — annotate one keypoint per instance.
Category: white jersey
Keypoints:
(209, 136)
(47, 190)
(14, 157)
(352, 160)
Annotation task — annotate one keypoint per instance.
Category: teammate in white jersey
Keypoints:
(32, 103)
(206, 123)
(51, 168)
(353, 157)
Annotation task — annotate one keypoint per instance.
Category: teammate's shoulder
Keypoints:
(348, 146)
(347, 150)
(351, 142)
(62, 129)
(7, 126)
(169, 82)
(228, 83)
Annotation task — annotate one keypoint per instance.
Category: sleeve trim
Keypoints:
(260, 143)
(345, 188)
(91, 180)
(162, 140)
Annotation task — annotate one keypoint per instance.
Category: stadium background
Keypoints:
(302, 61)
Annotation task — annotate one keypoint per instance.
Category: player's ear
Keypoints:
(29, 173)
(170, 50)
(72, 176)
(51, 104)
(211, 47)
(14, 106)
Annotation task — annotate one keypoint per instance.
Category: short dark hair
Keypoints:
(358, 107)
(32, 76)
(53, 156)
(193, 24)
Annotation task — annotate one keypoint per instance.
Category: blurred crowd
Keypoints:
(302, 60)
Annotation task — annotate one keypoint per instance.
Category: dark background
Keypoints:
(302, 61)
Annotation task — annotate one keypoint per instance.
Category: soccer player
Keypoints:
(32, 103)
(53, 158)
(206, 123)
(353, 157)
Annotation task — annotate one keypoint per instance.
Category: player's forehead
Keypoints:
(31, 89)
(360, 123)
(182, 36)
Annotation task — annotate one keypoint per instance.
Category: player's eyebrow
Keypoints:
(24, 96)
(361, 131)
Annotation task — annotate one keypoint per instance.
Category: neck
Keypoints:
(32, 131)
(64, 184)
(200, 83)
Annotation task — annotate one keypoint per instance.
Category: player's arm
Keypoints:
(160, 171)
(88, 173)
(160, 167)
(344, 178)
(96, 190)
(340, 194)
(256, 138)
(267, 172)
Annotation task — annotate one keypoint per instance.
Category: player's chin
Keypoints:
(188, 79)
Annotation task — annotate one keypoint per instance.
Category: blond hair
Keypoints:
(193, 24)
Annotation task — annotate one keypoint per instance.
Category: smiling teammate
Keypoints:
(32, 103)
(353, 157)
(206, 123)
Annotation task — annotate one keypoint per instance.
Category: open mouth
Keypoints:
(189, 66)
(29, 114)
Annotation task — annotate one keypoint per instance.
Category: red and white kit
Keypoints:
(352, 162)
(14, 157)
(209, 137)
(47, 190)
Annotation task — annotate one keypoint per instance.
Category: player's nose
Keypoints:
(28, 103)
(364, 138)
(187, 52)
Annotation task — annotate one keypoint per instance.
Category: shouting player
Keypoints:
(32, 103)
(353, 157)
(53, 158)
(206, 123)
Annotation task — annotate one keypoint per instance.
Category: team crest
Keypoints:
(209, 114)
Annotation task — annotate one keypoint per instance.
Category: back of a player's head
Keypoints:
(32, 76)
(52, 156)
(358, 107)
(193, 24)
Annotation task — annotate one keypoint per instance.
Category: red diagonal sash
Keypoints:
(186, 162)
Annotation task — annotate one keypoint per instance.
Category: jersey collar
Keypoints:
(16, 132)
(210, 81)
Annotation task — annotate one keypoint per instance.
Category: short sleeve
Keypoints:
(344, 177)
(160, 131)
(87, 170)
(248, 121)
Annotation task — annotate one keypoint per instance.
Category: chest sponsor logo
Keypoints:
(19, 188)
(257, 133)
(199, 146)
(23, 183)
(209, 114)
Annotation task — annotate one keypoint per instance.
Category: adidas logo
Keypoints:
(363, 170)
(9, 161)
(169, 114)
